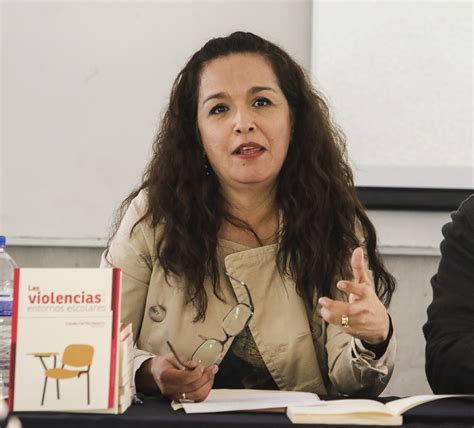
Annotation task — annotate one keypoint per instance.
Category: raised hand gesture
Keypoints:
(363, 316)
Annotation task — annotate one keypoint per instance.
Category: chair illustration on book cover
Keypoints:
(73, 364)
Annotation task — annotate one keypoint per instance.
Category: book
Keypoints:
(361, 411)
(231, 400)
(69, 352)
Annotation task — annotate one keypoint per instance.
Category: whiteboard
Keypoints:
(398, 76)
(398, 79)
(83, 87)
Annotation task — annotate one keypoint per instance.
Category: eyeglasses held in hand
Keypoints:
(236, 321)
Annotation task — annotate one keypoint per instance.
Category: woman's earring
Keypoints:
(206, 164)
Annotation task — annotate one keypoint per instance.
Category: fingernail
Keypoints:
(215, 369)
(341, 285)
(322, 301)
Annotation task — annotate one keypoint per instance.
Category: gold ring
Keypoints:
(345, 321)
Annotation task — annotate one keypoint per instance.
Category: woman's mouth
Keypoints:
(249, 150)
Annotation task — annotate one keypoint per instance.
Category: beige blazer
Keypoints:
(301, 351)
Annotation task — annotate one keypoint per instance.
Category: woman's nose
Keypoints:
(244, 122)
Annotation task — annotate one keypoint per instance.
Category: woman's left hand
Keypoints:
(364, 316)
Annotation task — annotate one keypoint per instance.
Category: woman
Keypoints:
(248, 207)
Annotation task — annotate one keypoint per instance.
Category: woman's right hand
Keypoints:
(173, 379)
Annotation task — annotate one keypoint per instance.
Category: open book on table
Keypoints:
(232, 400)
(360, 411)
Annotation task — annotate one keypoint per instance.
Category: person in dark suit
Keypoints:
(449, 331)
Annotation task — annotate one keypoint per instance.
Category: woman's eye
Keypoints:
(219, 108)
(262, 102)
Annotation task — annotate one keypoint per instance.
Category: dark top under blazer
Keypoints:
(449, 331)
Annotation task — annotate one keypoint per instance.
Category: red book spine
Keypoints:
(116, 275)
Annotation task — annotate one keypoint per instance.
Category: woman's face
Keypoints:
(243, 119)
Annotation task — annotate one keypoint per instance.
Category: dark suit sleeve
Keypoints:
(449, 331)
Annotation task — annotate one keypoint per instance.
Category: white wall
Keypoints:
(84, 83)
(399, 78)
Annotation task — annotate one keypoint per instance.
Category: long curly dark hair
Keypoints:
(315, 189)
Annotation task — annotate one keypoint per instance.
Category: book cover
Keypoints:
(65, 340)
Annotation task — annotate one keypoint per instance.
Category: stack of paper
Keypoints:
(231, 400)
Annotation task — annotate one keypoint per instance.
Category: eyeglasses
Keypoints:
(236, 321)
